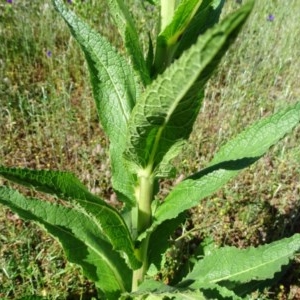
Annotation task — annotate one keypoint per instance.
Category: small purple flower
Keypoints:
(270, 18)
(69, 1)
(9, 1)
(49, 53)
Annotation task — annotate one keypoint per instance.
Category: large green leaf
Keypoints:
(61, 184)
(230, 264)
(125, 24)
(66, 186)
(234, 156)
(80, 238)
(163, 118)
(115, 90)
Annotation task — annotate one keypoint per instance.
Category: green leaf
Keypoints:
(156, 250)
(126, 26)
(258, 138)
(234, 156)
(191, 19)
(163, 118)
(66, 186)
(112, 225)
(206, 16)
(151, 289)
(61, 184)
(215, 291)
(34, 297)
(80, 238)
(153, 2)
(230, 264)
(168, 39)
(115, 91)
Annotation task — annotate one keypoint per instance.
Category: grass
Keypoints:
(48, 120)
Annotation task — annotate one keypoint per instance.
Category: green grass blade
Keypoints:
(259, 263)
(237, 154)
(66, 186)
(163, 118)
(126, 27)
(115, 90)
(80, 238)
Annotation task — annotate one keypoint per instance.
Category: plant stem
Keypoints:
(144, 200)
(138, 275)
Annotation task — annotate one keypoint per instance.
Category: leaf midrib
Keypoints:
(179, 97)
(247, 270)
(90, 51)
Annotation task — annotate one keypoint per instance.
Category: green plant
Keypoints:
(147, 108)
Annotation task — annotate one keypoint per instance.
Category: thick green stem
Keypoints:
(144, 202)
(145, 195)
(138, 275)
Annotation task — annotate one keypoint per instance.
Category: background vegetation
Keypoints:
(48, 120)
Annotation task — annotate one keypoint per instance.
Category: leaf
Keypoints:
(115, 229)
(115, 90)
(191, 19)
(151, 289)
(126, 26)
(168, 39)
(61, 184)
(163, 118)
(34, 297)
(230, 264)
(215, 291)
(66, 186)
(80, 238)
(254, 141)
(234, 156)
(156, 250)
(153, 2)
(206, 16)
